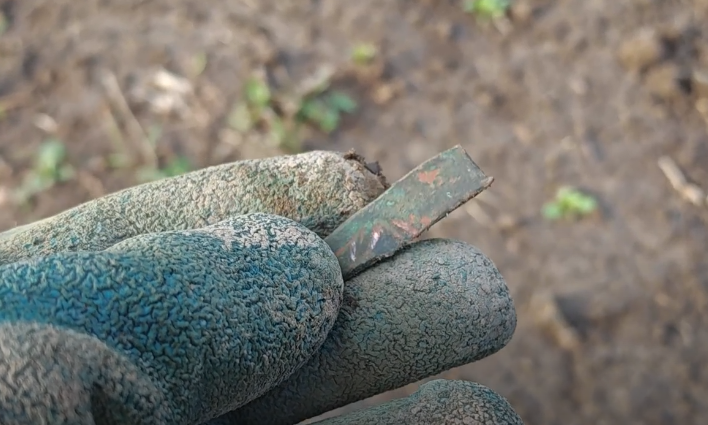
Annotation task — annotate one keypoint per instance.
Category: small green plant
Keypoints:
(569, 203)
(326, 111)
(50, 168)
(284, 118)
(257, 93)
(491, 9)
(364, 53)
(250, 112)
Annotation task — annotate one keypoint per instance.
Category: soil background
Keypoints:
(589, 93)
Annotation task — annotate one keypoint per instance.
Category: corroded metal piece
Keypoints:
(407, 209)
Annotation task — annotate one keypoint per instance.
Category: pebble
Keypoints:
(699, 83)
(664, 81)
(641, 50)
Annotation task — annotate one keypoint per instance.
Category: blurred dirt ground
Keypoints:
(589, 93)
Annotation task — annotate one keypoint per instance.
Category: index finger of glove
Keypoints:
(317, 189)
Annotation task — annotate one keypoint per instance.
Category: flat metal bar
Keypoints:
(407, 209)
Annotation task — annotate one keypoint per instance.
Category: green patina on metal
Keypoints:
(407, 209)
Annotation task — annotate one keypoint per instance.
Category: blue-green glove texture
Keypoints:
(437, 305)
(214, 317)
(211, 297)
(437, 402)
(317, 189)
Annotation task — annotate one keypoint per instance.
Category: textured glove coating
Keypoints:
(433, 307)
(317, 189)
(212, 318)
(437, 402)
(165, 304)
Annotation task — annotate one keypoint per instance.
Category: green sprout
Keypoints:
(259, 108)
(364, 53)
(326, 111)
(257, 93)
(569, 202)
(270, 112)
(249, 112)
(487, 8)
(50, 168)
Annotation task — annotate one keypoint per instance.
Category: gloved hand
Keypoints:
(212, 298)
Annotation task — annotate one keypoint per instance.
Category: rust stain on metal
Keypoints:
(406, 226)
(341, 251)
(426, 221)
(407, 209)
(428, 176)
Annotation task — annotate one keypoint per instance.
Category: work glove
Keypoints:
(212, 298)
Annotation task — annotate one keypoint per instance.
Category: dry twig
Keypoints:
(120, 107)
(689, 191)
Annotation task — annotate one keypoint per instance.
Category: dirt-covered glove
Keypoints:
(212, 298)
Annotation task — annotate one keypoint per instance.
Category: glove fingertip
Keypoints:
(437, 402)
